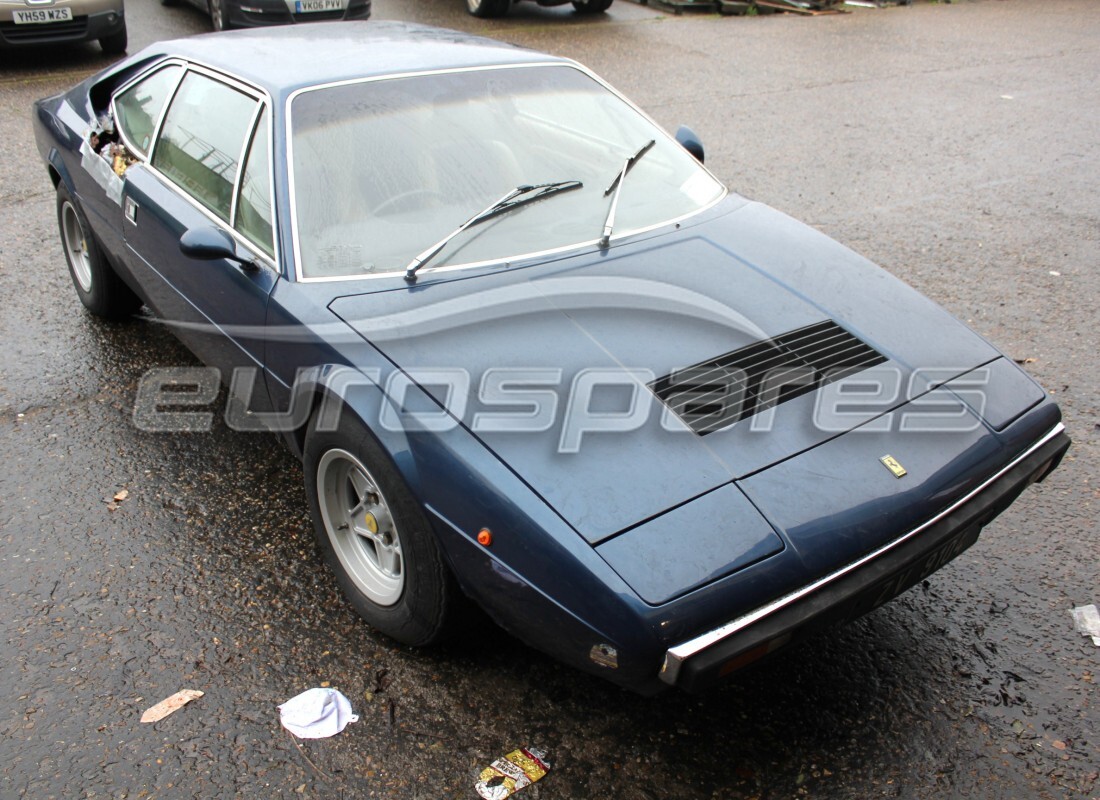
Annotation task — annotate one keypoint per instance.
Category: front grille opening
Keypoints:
(48, 31)
(715, 394)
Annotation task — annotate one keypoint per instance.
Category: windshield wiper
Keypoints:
(617, 186)
(520, 196)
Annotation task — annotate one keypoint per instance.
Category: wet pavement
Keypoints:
(955, 144)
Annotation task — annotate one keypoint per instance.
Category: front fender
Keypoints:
(539, 579)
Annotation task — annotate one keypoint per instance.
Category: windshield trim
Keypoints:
(397, 274)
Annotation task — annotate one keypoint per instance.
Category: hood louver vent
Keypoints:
(717, 393)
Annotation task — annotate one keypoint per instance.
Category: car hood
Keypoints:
(552, 366)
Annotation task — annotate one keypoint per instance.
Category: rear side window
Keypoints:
(201, 141)
(138, 108)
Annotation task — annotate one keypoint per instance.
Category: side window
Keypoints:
(202, 138)
(138, 108)
(254, 205)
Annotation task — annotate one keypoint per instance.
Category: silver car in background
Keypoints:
(498, 8)
(38, 22)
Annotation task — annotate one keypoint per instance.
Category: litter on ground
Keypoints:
(316, 713)
(169, 704)
(507, 775)
(1087, 621)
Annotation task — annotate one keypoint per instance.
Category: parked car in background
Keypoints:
(534, 354)
(498, 8)
(226, 14)
(38, 22)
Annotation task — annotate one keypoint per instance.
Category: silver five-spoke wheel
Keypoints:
(375, 535)
(100, 290)
(360, 526)
(76, 246)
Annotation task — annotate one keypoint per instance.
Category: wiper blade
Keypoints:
(617, 186)
(520, 196)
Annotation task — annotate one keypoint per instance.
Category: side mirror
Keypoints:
(210, 244)
(690, 142)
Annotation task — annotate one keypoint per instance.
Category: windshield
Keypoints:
(382, 169)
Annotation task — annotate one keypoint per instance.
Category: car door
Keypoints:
(194, 178)
(136, 108)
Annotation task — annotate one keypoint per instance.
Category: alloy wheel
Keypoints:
(360, 525)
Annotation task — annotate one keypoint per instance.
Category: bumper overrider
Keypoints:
(864, 584)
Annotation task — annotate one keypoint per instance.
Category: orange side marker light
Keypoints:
(485, 537)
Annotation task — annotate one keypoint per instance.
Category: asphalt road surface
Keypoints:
(955, 144)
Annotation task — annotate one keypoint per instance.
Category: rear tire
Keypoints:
(591, 6)
(115, 44)
(486, 9)
(219, 17)
(100, 290)
(376, 538)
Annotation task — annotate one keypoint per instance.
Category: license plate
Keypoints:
(42, 15)
(922, 569)
(306, 6)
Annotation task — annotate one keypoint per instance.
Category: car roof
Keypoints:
(281, 59)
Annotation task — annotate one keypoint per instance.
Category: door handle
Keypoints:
(130, 209)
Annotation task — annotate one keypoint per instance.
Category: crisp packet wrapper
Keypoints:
(507, 775)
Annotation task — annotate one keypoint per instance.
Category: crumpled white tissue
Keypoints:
(1087, 620)
(316, 714)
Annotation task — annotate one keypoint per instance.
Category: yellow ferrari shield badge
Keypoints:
(894, 466)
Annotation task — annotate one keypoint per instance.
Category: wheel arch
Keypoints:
(313, 387)
(349, 391)
(58, 172)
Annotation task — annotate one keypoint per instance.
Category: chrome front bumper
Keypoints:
(867, 582)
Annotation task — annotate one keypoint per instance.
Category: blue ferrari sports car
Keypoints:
(533, 355)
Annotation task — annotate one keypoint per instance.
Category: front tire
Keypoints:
(115, 44)
(100, 290)
(375, 536)
(591, 6)
(219, 17)
(487, 9)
